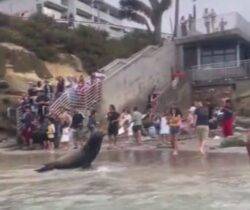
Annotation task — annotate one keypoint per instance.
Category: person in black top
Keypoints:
(42, 104)
(48, 90)
(113, 124)
(77, 127)
(92, 124)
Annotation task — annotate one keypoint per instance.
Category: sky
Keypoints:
(220, 7)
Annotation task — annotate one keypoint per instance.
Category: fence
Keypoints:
(220, 71)
(71, 99)
(83, 100)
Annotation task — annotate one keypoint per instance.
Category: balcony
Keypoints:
(231, 24)
(56, 5)
(103, 15)
(220, 72)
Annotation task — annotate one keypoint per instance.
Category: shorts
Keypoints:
(137, 128)
(174, 131)
(52, 140)
(113, 130)
(202, 132)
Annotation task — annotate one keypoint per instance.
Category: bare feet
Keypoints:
(202, 150)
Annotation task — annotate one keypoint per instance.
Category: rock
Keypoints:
(240, 129)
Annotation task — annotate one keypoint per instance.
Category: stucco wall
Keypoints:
(132, 84)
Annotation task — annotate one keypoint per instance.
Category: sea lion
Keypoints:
(80, 158)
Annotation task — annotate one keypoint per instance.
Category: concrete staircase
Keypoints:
(129, 81)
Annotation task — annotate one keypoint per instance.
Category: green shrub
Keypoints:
(10, 35)
(46, 38)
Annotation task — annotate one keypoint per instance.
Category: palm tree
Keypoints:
(142, 13)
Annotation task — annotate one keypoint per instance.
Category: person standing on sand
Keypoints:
(202, 125)
(113, 125)
(164, 127)
(227, 119)
(92, 124)
(174, 123)
(77, 128)
(50, 141)
(137, 126)
(125, 121)
(65, 138)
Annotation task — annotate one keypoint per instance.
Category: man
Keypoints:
(42, 104)
(48, 90)
(77, 127)
(137, 125)
(202, 125)
(92, 124)
(213, 16)
(27, 126)
(113, 118)
(206, 17)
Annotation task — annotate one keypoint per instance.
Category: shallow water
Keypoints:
(146, 180)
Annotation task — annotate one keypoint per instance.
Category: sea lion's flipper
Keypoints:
(47, 167)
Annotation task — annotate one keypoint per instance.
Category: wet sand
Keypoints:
(128, 180)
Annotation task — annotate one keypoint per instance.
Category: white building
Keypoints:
(95, 13)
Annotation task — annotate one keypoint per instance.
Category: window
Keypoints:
(218, 55)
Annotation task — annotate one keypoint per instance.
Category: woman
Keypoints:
(125, 121)
(174, 124)
(164, 127)
(113, 124)
(227, 119)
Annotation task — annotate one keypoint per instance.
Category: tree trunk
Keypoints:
(176, 21)
(157, 31)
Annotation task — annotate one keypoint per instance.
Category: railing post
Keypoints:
(238, 54)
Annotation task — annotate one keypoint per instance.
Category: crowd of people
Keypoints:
(211, 23)
(168, 126)
(40, 126)
(69, 130)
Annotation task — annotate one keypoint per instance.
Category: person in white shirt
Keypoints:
(126, 121)
(213, 19)
(206, 17)
(164, 128)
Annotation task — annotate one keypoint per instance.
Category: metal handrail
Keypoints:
(229, 64)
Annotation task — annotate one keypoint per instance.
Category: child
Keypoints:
(164, 128)
(51, 130)
(190, 122)
(125, 122)
(65, 139)
(174, 124)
